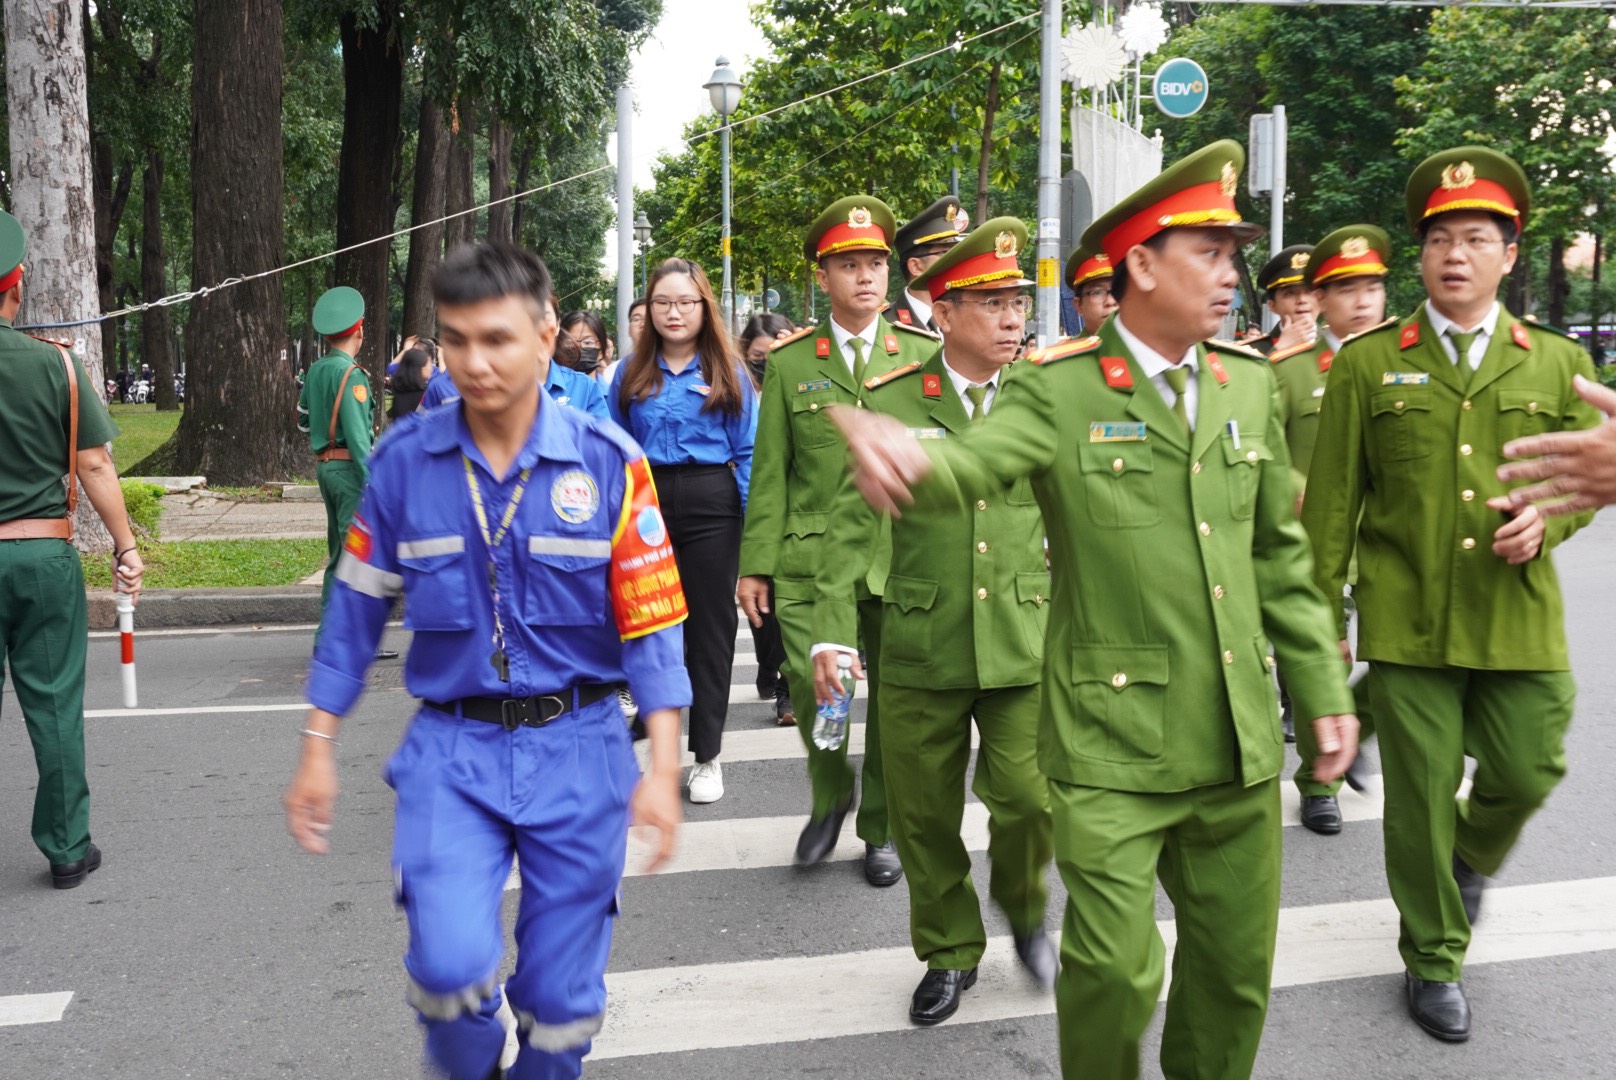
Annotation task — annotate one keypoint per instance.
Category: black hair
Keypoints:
(766, 325)
(474, 273)
(412, 370)
(1509, 228)
(635, 306)
(1119, 269)
(589, 319)
(919, 253)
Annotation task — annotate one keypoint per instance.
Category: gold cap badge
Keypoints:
(858, 218)
(948, 215)
(1459, 175)
(1004, 245)
(1354, 247)
(1230, 179)
(1299, 261)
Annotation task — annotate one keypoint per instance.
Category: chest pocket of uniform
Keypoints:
(906, 627)
(1245, 472)
(810, 427)
(1119, 484)
(1032, 596)
(1525, 412)
(1310, 405)
(1122, 701)
(1020, 493)
(437, 583)
(564, 580)
(1398, 418)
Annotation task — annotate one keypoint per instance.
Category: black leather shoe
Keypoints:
(767, 684)
(386, 654)
(784, 715)
(881, 865)
(1439, 1008)
(1358, 776)
(1471, 886)
(70, 875)
(819, 836)
(1322, 814)
(1038, 957)
(938, 995)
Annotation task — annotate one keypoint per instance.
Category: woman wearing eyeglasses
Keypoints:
(685, 398)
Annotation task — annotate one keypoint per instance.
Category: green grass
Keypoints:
(216, 564)
(143, 429)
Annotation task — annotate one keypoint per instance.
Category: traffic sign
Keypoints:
(1180, 88)
(771, 299)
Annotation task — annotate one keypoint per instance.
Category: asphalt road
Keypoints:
(208, 946)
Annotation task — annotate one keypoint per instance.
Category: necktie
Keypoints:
(977, 394)
(858, 359)
(1178, 380)
(1461, 349)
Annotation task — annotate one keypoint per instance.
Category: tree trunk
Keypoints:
(1557, 284)
(1597, 307)
(990, 110)
(457, 195)
(499, 180)
(426, 245)
(1518, 286)
(524, 176)
(111, 196)
(373, 88)
(155, 340)
(238, 425)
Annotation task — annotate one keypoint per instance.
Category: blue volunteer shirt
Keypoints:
(564, 385)
(675, 430)
(570, 551)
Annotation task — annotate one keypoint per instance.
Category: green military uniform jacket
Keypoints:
(320, 388)
(966, 599)
(799, 459)
(34, 425)
(1177, 561)
(1406, 444)
(1300, 373)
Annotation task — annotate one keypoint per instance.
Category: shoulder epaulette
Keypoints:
(1062, 349)
(921, 330)
(896, 373)
(1285, 354)
(1234, 348)
(51, 341)
(1388, 324)
(788, 339)
(1531, 320)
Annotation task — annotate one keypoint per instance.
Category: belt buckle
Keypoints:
(548, 713)
(514, 712)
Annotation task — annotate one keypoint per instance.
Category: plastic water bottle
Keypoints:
(830, 723)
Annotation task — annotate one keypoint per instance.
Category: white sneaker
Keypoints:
(626, 700)
(707, 782)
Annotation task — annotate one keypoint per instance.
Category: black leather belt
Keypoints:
(535, 711)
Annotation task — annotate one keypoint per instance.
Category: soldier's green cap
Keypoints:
(988, 258)
(13, 249)
(1086, 264)
(941, 224)
(856, 223)
(1288, 267)
(1351, 251)
(1197, 190)
(1467, 178)
(338, 312)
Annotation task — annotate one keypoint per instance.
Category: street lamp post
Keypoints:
(724, 89)
(642, 236)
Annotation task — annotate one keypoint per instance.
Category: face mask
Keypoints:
(588, 359)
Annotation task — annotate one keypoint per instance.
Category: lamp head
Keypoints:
(723, 88)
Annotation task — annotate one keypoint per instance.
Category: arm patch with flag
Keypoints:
(646, 592)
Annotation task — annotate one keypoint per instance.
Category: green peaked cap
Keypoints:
(856, 223)
(1286, 268)
(1197, 190)
(337, 310)
(1350, 251)
(938, 225)
(988, 258)
(1467, 178)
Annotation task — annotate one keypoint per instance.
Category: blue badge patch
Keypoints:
(928, 433)
(574, 496)
(1117, 431)
(1405, 378)
(810, 387)
(650, 527)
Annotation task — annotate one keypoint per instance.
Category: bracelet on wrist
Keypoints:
(311, 733)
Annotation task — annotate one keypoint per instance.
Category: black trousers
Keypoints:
(771, 651)
(702, 506)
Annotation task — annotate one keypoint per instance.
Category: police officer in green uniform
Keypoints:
(52, 424)
(1462, 622)
(1088, 272)
(1288, 297)
(334, 410)
(797, 464)
(920, 243)
(1177, 561)
(1346, 272)
(962, 637)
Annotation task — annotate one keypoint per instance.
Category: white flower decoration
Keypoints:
(1142, 29)
(1093, 56)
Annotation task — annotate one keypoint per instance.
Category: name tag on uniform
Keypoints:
(810, 387)
(1318, 391)
(1117, 431)
(928, 433)
(1405, 378)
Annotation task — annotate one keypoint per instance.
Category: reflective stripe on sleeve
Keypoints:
(435, 545)
(569, 545)
(554, 1038)
(448, 1006)
(364, 578)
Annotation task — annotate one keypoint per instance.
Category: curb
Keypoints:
(170, 608)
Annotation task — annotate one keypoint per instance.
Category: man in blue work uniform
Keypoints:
(539, 579)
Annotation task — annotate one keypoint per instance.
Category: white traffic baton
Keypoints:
(126, 642)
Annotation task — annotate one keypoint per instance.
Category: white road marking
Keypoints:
(199, 710)
(670, 1010)
(33, 1008)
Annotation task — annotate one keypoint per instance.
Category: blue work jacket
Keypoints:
(674, 429)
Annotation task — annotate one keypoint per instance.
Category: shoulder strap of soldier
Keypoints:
(72, 423)
(789, 338)
(1062, 349)
(336, 406)
(919, 330)
(1282, 354)
(896, 373)
(1391, 322)
(1234, 348)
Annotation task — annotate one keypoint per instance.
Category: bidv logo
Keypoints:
(1180, 88)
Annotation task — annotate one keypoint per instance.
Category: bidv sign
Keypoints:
(1180, 88)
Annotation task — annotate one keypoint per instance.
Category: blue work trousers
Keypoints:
(470, 796)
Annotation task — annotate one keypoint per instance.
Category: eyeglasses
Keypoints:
(685, 306)
(1093, 293)
(998, 305)
(1442, 244)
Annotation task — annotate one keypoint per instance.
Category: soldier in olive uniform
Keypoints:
(1462, 623)
(962, 638)
(797, 464)
(1288, 297)
(1088, 272)
(1177, 562)
(52, 424)
(919, 244)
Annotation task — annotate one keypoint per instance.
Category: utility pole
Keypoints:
(625, 214)
(1049, 184)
